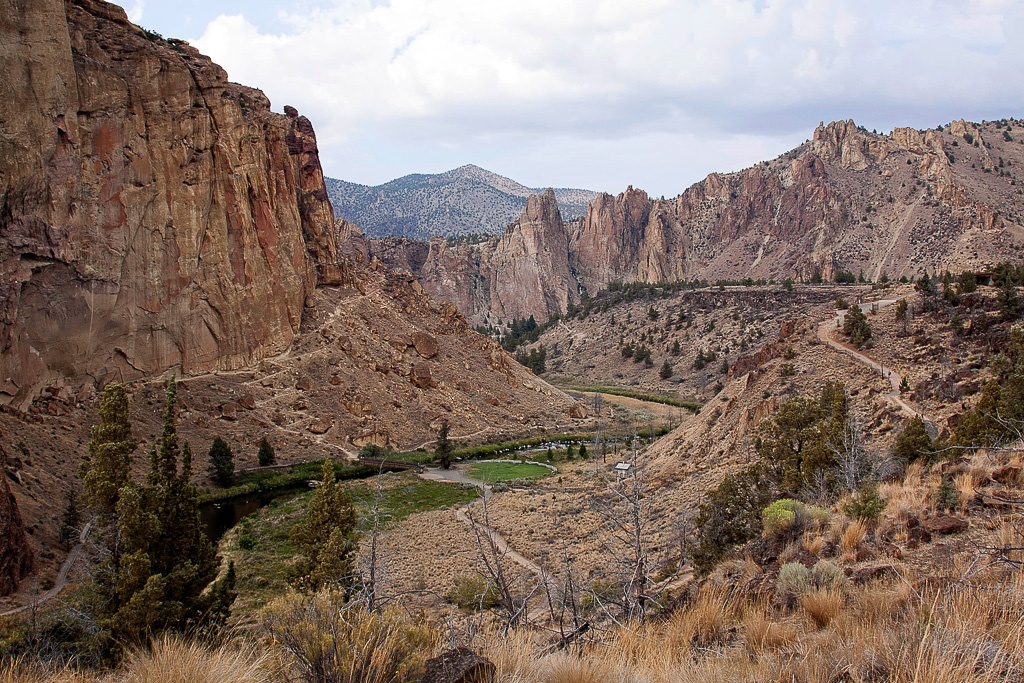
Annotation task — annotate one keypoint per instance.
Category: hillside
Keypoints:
(847, 200)
(201, 251)
(464, 201)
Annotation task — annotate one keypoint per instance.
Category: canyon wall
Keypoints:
(16, 557)
(152, 214)
(847, 199)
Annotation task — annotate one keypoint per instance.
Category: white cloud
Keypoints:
(462, 74)
(136, 10)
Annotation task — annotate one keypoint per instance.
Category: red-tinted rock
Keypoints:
(425, 344)
(945, 524)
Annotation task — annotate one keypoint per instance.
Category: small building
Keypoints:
(984, 279)
(623, 468)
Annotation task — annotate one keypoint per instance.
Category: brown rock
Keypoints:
(228, 411)
(421, 375)
(945, 524)
(425, 344)
(247, 401)
(16, 557)
(336, 380)
(304, 383)
(1009, 474)
(873, 573)
(373, 435)
(141, 181)
(459, 665)
(320, 426)
(577, 411)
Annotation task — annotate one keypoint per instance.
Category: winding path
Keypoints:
(62, 576)
(825, 329)
(499, 542)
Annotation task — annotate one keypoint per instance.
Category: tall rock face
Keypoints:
(525, 271)
(16, 558)
(848, 199)
(152, 214)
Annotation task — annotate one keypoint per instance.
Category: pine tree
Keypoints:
(222, 462)
(443, 449)
(583, 451)
(326, 536)
(266, 455)
(105, 470)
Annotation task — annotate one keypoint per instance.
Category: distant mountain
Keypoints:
(465, 200)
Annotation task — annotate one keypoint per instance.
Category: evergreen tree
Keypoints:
(666, 370)
(222, 462)
(913, 443)
(70, 520)
(266, 455)
(105, 470)
(856, 326)
(326, 536)
(583, 451)
(443, 449)
(1009, 301)
(159, 560)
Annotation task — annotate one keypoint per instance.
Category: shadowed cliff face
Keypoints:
(152, 215)
(16, 557)
(848, 199)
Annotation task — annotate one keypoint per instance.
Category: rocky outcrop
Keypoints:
(16, 558)
(526, 271)
(848, 199)
(152, 214)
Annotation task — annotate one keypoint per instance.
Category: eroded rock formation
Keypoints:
(152, 214)
(848, 200)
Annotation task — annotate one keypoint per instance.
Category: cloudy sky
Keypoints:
(602, 93)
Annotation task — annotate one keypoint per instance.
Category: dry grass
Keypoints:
(852, 537)
(174, 660)
(813, 542)
(822, 606)
(763, 634)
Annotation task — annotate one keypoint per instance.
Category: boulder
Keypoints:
(228, 411)
(248, 401)
(421, 375)
(425, 344)
(459, 665)
(945, 525)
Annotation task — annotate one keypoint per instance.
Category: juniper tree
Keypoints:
(222, 462)
(443, 449)
(325, 538)
(106, 468)
(266, 455)
(158, 561)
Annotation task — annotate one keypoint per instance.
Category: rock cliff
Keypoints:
(525, 271)
(152, 214)
(848, 199)
(16, 556)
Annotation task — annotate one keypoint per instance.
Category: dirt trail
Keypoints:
(500, 542)
(62, 576)
(825, 329)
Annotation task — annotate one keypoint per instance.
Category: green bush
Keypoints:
(913, 443)
(779, 517)
(796, 580)
(473, 591)
(867, 505)
(946, 497)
